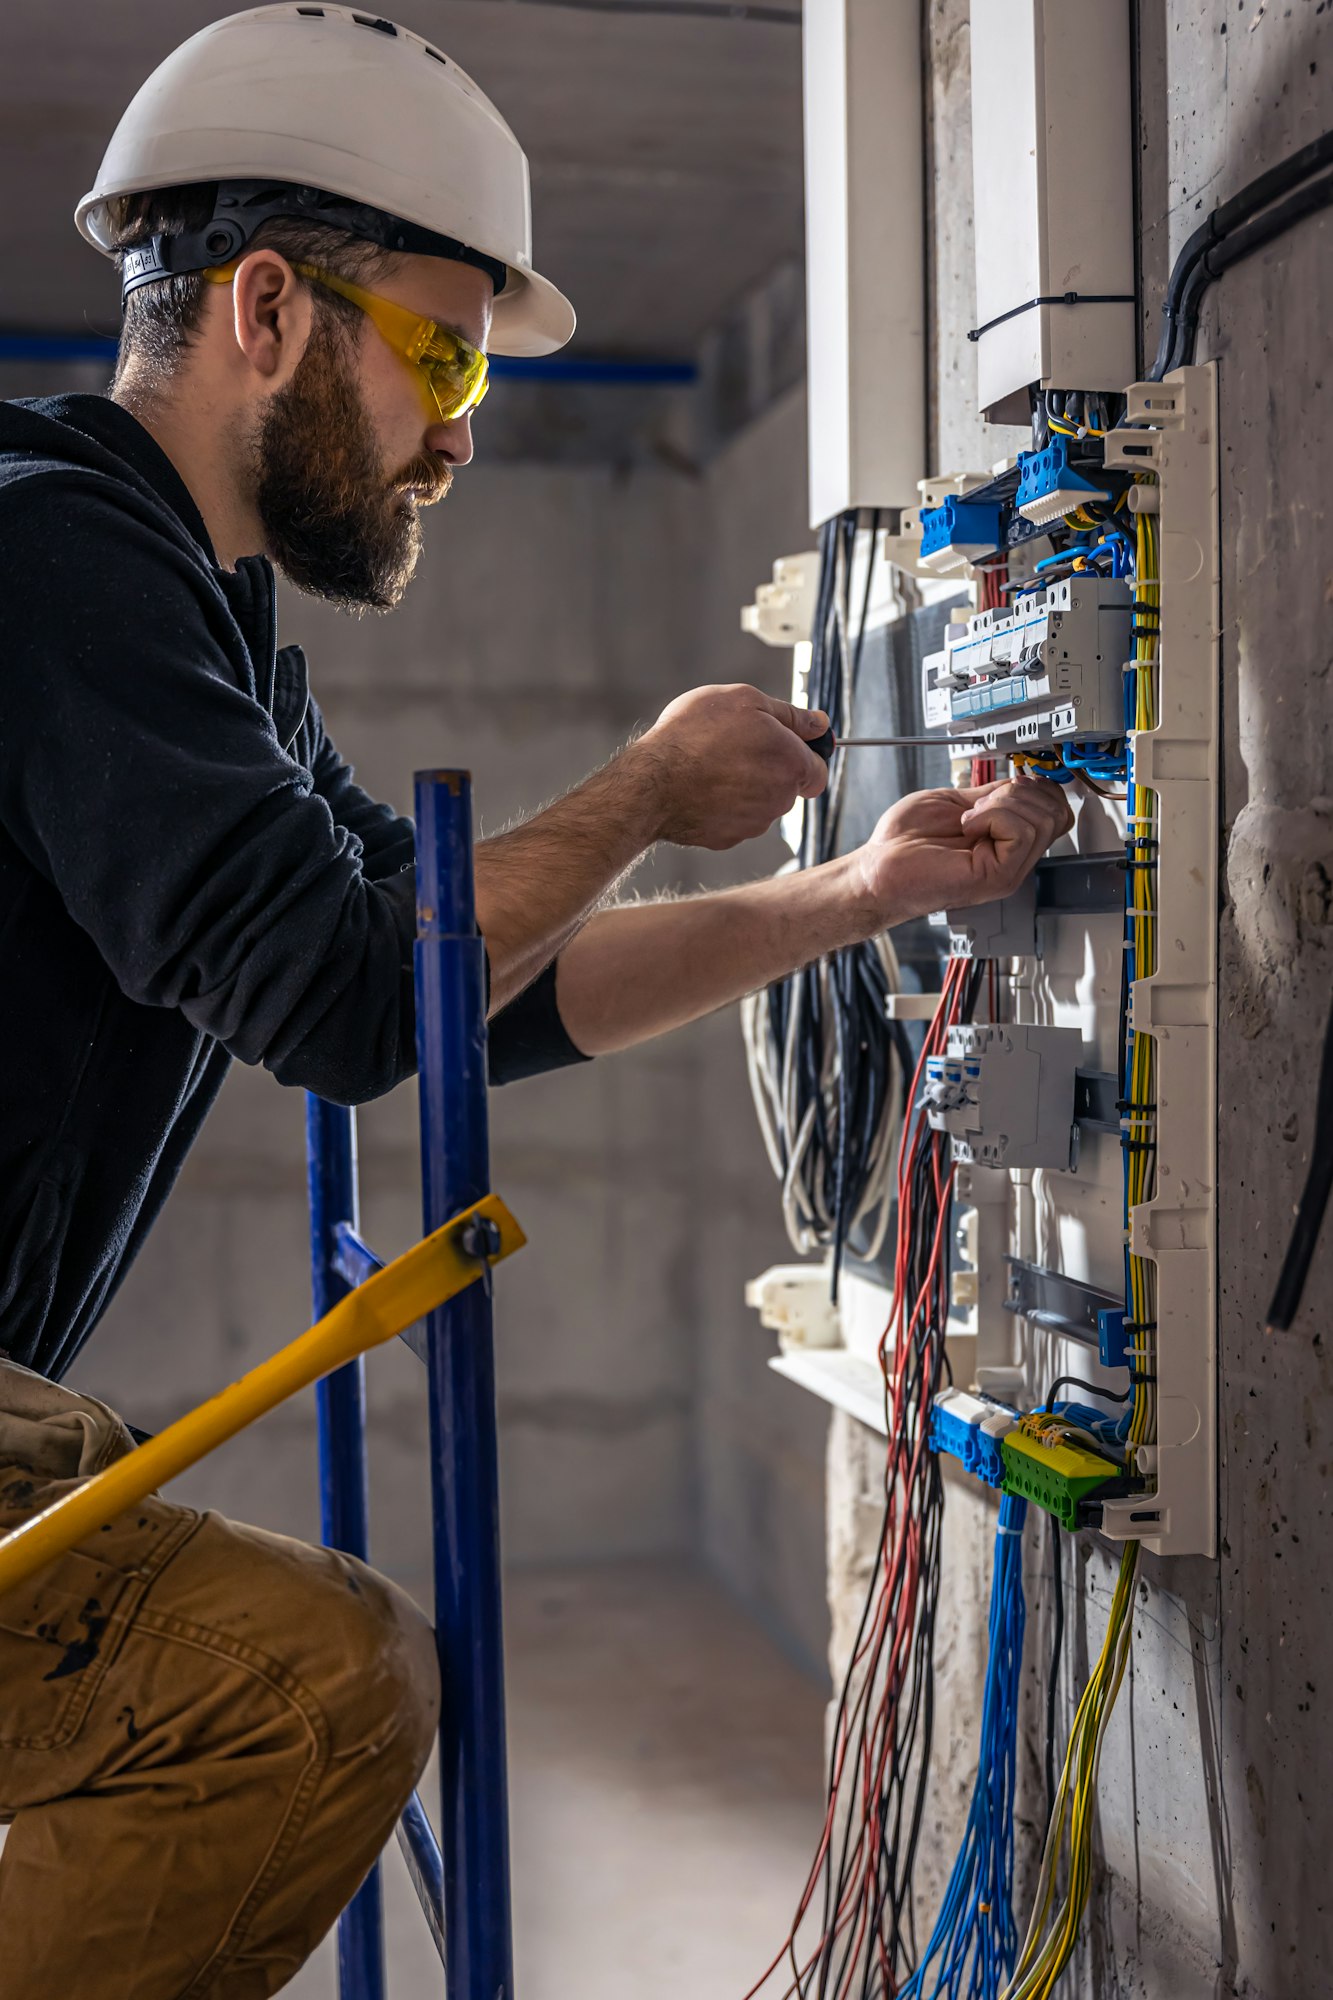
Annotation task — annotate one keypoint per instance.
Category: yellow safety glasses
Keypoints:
(455, 375)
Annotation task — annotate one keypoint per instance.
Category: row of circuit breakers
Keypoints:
(1050, 667)
(1047, 669)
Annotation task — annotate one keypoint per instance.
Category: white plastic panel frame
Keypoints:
(1173, 432)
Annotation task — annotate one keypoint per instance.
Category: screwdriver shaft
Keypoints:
(908, 743)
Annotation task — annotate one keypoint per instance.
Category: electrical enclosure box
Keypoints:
(1050, 669)
(1052, 139)
(1005, 1094)
(865, 274)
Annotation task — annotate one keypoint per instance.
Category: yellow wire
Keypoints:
(1046, 1952)
(1143, 821)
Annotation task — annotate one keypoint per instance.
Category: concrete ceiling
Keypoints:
(666, 151)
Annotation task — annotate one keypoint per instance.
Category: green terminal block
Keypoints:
(1055, 1476)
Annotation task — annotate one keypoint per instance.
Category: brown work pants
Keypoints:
(206, 1734)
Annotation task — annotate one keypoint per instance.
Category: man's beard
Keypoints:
(334, 525)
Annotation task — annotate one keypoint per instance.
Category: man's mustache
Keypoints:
(428, 478)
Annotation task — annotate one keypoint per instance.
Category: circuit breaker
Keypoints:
(1047, 670)
(1004, 929)
(1005, 1094)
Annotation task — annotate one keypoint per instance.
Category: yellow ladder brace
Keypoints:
(436, 1269)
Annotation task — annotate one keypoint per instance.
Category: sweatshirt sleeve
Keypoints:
(149, 787)
(526, 1037)
(388, 841)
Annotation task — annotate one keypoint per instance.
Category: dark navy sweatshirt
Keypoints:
(188, 870)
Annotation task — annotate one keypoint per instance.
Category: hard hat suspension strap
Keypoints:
(240, 208)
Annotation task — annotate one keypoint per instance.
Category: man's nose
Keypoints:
(452, 441)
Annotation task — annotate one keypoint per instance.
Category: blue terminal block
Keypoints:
(970, 1429)
(1049, 487)
(1112, 1340)
(958, 532)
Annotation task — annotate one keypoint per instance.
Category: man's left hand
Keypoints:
(950, 849)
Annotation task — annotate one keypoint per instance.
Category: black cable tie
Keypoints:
(1129, 1104)
(1141, 1374)
(1140, 1326)
(1138, 1145)
(1137, 868)
(1055, 299)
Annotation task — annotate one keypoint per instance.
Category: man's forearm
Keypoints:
(537, 883)
(718, 766)
(644, 968)
(640, 970)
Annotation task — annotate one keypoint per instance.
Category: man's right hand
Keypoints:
(725, 762)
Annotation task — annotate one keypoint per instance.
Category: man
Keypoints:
(206, 1733)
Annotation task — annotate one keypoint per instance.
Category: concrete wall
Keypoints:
(1214, 1821)
(556, 608)
(760, 1441)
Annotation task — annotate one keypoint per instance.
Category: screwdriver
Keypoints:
(824, 746)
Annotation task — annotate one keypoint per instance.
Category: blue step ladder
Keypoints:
(461, 1879)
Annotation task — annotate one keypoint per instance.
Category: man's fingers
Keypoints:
(807, 723)
(1007, 827)
(972, 794)
(1043, 804)
(815, 780)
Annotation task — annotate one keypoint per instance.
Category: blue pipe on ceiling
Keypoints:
(605, 371)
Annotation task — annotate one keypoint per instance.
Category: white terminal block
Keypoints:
(1004, 1092)
(793, 1300)
(1047, 670)
(783, 611)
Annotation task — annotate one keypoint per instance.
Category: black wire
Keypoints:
(1313, 1202)
(1201, 259)
(1242, 243)
(1077, 1382)
(1057, 1644)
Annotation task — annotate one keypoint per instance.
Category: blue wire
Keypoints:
(1101, 1424)
(1099, 760)
(975, 1939)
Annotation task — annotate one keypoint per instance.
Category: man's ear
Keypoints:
(272, 314)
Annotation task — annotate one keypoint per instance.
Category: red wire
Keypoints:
(885, 1649)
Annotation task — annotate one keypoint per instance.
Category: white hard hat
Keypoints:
(314, 109)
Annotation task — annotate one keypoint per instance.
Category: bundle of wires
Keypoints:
(826, 1075)
(861, 1877)
(973, 1946)
(1053, 1930)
